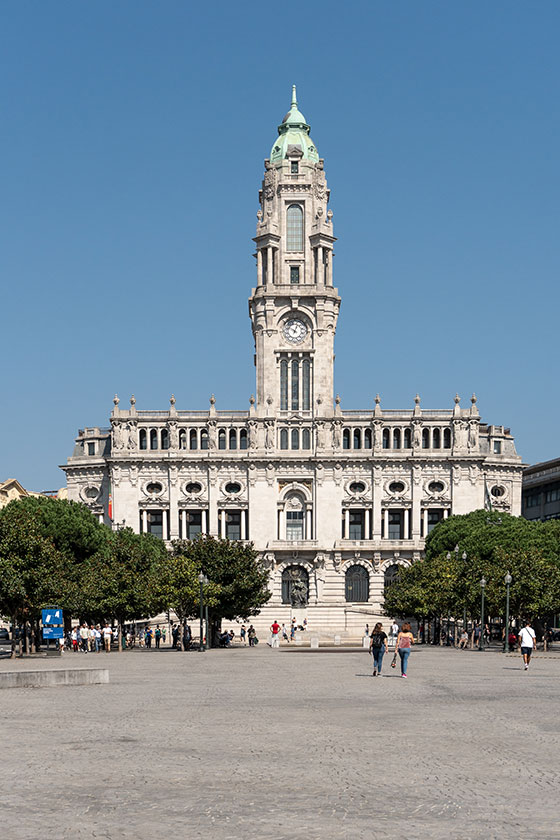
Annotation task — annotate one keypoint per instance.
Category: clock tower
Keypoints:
(294, 307)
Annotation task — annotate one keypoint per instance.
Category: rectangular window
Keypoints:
(155, 523)
(233, 525)
(552, 493)
(294, 275)
(533, 500)
(356, 526)
(396, 525)
(294, 525)
(497, 447)
(194, 524)
(294, 167)
(91, 449)
(434, 516)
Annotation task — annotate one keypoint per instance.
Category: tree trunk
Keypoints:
(119, 636)
(14, 632)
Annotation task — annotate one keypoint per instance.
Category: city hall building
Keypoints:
(334, 500)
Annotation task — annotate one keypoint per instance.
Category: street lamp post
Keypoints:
(202, 579)
(482, 587)
(464, 559)
(507, 580)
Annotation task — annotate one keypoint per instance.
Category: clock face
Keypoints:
(295, 330)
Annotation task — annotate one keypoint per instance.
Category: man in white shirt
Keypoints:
(107, 637)
(527, 643)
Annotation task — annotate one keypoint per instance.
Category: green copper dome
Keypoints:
(293, 131)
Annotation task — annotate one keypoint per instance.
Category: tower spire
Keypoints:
(294, 97)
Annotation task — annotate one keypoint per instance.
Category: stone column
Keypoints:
(445, 513)
(259, 267)
(243, 525)
(386, 521)
(367, 527)
(282, 525)
(347, 524)
(165, 524)
(144, 521)
(320, 267)
(406, 524)
(329, 268)
(204, 521)
(266, 268)
(308, 528)
(425, 518)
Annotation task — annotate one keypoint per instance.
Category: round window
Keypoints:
(154, 488)
(91, 492)
(436, 487)
(396, 487)
(233, 487)
(193, 487)
(497, 491)
(357, 487)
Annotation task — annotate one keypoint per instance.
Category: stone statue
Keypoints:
(417, 436)
(212, 434)
(319, 574)
(173, 434)
(320, 434)
(337, 434)
(473, 436)
(378, 435)
(119, 436)
(253, 431)
(269, 439)
(298, 593)
(132, 443)
(460, 434)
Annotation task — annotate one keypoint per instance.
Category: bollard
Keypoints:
(314, 642)
(337, 640)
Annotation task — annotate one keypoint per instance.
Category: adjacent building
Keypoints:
(335, 500)
(541, 491)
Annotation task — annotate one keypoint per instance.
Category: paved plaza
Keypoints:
(260, 743)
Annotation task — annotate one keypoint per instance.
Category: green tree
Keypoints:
(242, 583)
(33, 573)
(121, 580)
(179, 587)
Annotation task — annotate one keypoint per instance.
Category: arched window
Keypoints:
(295, 586)
(305, 439)
(425, 438)
(294, 228)
(447, 438)
(436, 439)
(204, 439)
(283, 438)
(346, 439)
(233, 439)
(367, 438)
(357, 444)
(193, 443)
(222, 439)
(153, 439)
(182, 439)
(385, 438)
(306, 384)
(407, 439)
(243, 439)
(295, 517)
(164, 439)
(390, 576)
(295, 385)
(284, 385)
(396, 438)
(143, 439)
(357, 584)
(295, 438)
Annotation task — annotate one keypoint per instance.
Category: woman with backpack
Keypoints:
(405, 640)
(377, 647)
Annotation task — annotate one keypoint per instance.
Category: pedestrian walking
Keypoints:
(284, 633)
(377, 647)
(107, 637)
(477, 633)
(243, 633)
(405, 640)
(187, 637)
(251, 633)
(293, 630)
(157, 636)
(366, 630)
(75, 639)
(174, 635)
(97, 638)
(527, 643)
(164, 634)
(84, 636)
(149, 636)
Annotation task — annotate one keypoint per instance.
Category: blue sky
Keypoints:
(132, 147)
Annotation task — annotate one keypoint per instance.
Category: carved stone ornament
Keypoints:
(319, 474)
(269, 434)
(460, 435)
(377, 475)
(119, 436)
(116, 476)
(268, 561)
(417, 434)
(269, 184)
(378, 434)
(253, 432)
(456, 474)
(270, 472)
(337, 561)
(173, 434)
(338, 471)
(416, 474)
(319, 190)
(173, 475)
(337, 433)
(252, 474)
(133, 475)
(212, 474)
(472, 442)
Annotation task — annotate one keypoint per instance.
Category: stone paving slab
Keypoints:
(249, 744)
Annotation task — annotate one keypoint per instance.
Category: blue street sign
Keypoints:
(52, 616)
(53, 632)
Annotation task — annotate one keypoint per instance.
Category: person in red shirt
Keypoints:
(275, 629)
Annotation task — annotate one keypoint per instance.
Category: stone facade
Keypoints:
(334, 500)
(541, 491)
